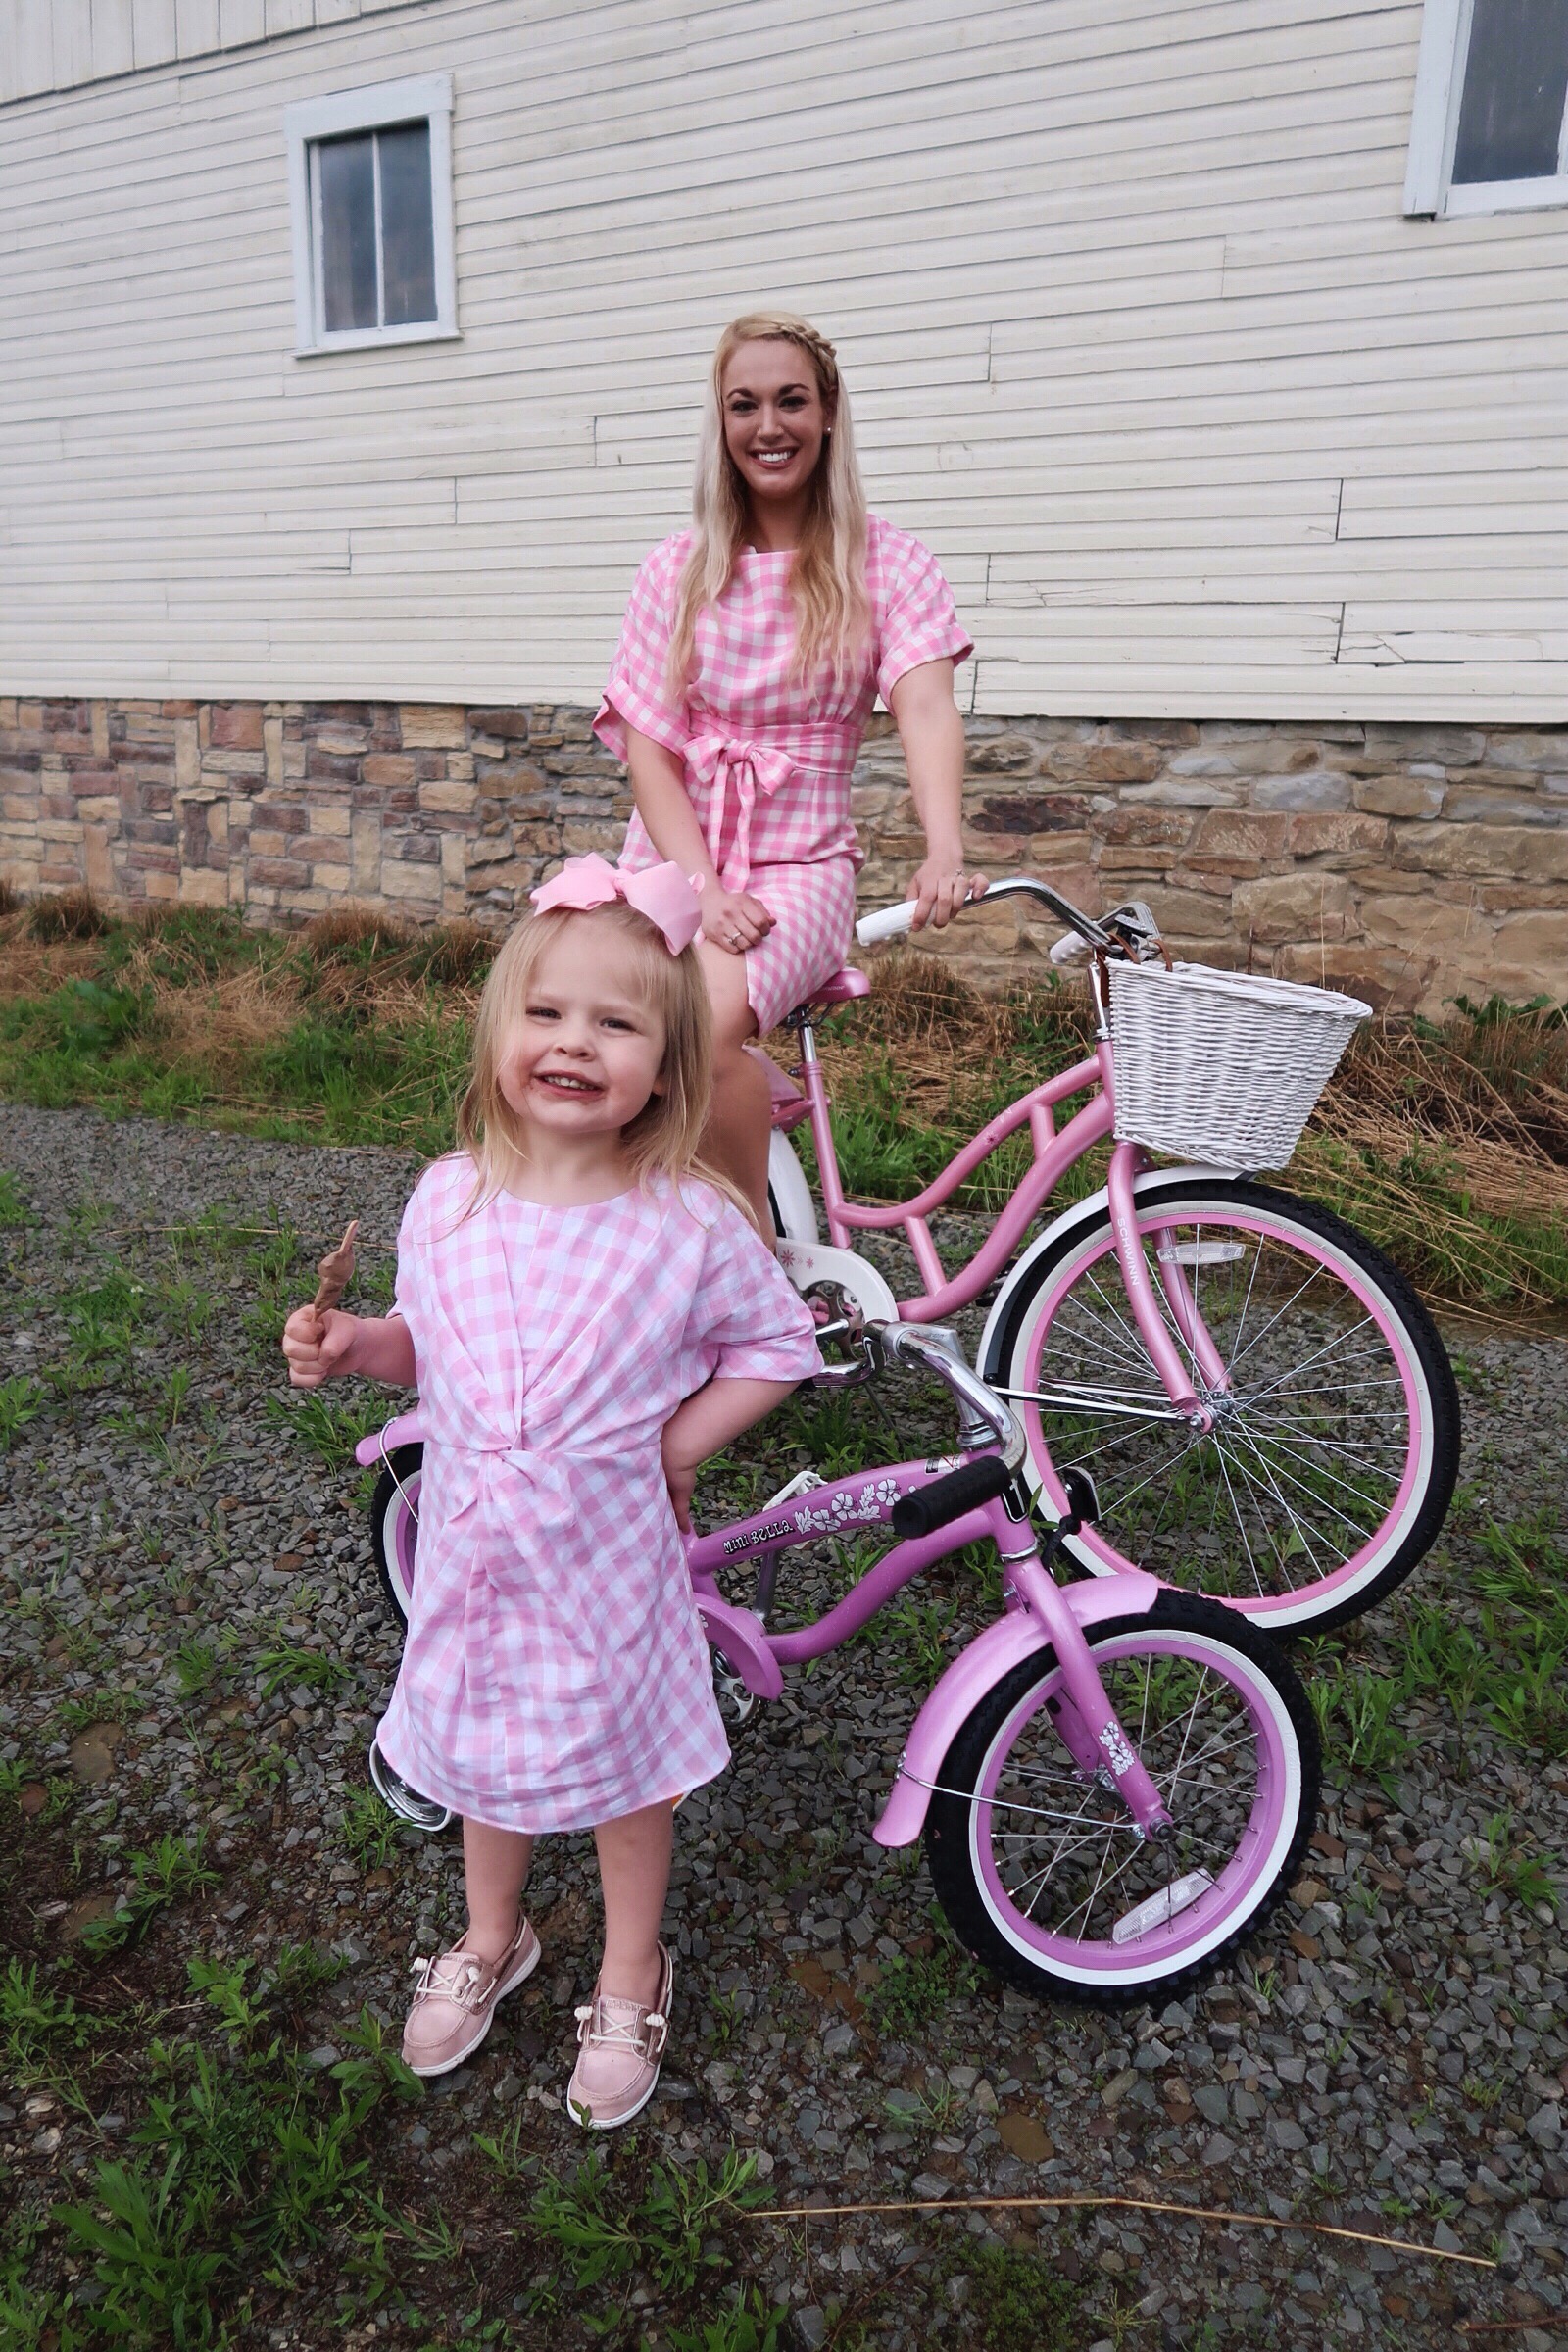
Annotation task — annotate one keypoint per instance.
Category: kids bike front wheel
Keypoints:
(1333, 1445)
(1042, 1869)
(395, 1525)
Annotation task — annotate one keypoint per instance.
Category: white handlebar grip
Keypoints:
(888, 922)
(1070, 949)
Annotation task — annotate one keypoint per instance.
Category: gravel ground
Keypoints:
(1392, 2057)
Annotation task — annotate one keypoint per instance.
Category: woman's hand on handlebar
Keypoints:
(939, 888)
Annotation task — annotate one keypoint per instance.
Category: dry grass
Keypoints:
(1448, 1143)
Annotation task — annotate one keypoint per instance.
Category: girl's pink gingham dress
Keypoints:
(769, 758)
(554, 1674)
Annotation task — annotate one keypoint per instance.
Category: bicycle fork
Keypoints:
(1041, 1615)
(1139, 1285)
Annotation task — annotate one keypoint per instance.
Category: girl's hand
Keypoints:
(940, 887)
(317, 1344)
(680, 1475)
(733, 918)
(681, 1480)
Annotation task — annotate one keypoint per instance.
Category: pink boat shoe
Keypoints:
(621, 2046)
(454, 2002)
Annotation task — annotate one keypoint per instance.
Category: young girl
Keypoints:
(587, 1321)
(752, 649)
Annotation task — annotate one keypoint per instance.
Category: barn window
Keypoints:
(1490, 129)
(370, 181)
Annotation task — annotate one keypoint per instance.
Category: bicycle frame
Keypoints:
(1038, 1614)
(1054, 1153)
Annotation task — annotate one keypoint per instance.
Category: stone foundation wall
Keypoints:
(1411, 863)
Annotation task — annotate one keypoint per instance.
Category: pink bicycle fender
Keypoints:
(987, 1659)
(407, 1429)
(741, 1639)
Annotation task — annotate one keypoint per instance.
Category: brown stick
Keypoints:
(336, 1271)
(1190, 2213)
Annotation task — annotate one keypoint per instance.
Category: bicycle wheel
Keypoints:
(1332, 1459)
(1041, 1869)
(395, 1527)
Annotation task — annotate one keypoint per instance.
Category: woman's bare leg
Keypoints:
(739, 1125)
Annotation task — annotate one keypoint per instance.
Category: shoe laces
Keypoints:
(644, 2034)
(466, 1987)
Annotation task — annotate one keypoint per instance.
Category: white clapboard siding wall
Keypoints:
(1137, 335)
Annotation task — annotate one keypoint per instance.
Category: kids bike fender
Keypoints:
(986, 1660)
(405, 1429)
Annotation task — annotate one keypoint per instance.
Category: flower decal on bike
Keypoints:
(864, 1506)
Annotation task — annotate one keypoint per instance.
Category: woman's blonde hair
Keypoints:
(827, 578)
(662, 1139)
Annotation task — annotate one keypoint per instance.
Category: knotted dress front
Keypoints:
(554, 1674)
(767, 757)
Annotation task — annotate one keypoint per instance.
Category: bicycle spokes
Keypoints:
(1311, 1434)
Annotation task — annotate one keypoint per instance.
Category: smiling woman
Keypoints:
(754, 647)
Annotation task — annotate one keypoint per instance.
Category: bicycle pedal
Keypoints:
(800, 1484)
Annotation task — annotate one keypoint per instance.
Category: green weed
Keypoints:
(753, 2325)
(1016, 2299)
(21, 1401)
(330, 1427)
(370, 1833)
(667, 2233)
(914, 1988)
(1503, 1870)
(288, 1665)
(14, 1214)
(163, 1876)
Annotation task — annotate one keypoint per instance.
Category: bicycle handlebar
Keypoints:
(932, 1349)
(947, 1498)
(891, 922)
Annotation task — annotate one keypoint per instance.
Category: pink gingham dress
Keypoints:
(554, 1674)
(769, 758)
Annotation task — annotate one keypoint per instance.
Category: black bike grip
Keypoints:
(947, 1498)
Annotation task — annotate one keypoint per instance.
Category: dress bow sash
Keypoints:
(735, 772)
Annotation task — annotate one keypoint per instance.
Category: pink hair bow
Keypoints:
(663, 893)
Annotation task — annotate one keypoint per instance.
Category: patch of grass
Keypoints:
(752, 2325)
(287, 1663)
(1016, 2300)
(239, 2167)
(1503, 1867)
(161, 1876)
(369, 1831)
(330, 1426)
(1508, 1677)
(914, 1988)
(20, 1402)
(1447, 1142)
(603, 2233)
(14, 1214)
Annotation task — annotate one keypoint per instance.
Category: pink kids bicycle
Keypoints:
(1115, 1780)
(1259, 1401)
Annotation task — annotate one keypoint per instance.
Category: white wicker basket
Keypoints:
(1221, 1066)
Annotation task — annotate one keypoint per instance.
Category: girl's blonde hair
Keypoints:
(664, 1137)
(827, 578)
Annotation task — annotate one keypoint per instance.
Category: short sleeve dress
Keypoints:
(554, 1674)
(767, 757)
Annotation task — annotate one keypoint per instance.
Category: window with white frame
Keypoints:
(1490, 129)
(371, 193)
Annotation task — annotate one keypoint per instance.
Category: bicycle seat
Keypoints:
(845, 985)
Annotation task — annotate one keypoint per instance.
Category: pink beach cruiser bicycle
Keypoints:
(1260, 1403)
(1116, 1782)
